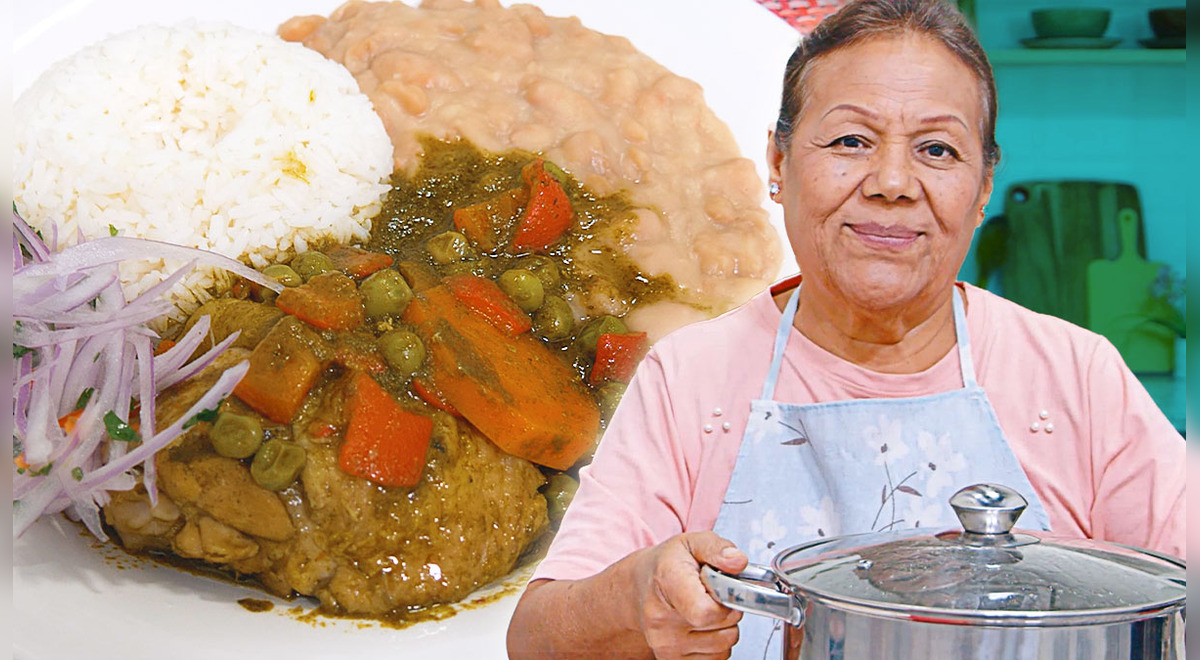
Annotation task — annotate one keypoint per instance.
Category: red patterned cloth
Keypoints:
(803, 14)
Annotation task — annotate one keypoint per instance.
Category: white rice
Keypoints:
(211, 136)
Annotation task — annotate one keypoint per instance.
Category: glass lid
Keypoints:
(984, 573)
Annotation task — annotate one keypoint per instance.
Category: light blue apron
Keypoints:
(863, 465)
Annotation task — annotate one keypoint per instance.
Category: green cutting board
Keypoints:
(1117, 293)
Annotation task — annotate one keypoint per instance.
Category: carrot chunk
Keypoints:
(617, 356)
(357, 262)
(283, 368)
(514, 389)
(486, 222)
(548, 214)
(432, 397)
(384, 443)
(329, 301)
(485, 297)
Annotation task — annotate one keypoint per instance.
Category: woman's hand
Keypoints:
(651, 603)
(677, 614)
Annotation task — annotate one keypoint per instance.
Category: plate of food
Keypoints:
(319, 309)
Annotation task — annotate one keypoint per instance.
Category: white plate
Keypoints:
(76, 600)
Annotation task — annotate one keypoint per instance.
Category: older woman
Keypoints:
(859, 396)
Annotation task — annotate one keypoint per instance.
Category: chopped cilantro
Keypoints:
(77, 473)
(112, 231)
(42, 472)
(19, 350)
(119, 430)
(206, 415)
(84, 397)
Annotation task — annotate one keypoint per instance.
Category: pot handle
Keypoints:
(754, 590)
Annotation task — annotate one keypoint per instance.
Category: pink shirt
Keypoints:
(1105, 462)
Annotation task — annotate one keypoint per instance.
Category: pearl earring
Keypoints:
(773, 189)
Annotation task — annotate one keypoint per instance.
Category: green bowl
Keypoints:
(1070, 22)
(1169, 22)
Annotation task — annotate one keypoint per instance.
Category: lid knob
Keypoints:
(988, 508)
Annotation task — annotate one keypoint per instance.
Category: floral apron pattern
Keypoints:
(863, 465)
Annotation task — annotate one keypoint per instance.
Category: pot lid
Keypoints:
(984, 573)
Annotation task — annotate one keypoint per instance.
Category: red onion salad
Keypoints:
(86, 374)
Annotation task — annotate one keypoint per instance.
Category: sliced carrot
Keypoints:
(548, 214)
(432, 397)
(163, 346)
(384, 443)
(67, 422)
(617, 356)
(514, 389)
(485, 297)
(321, 429)
(359, 352)
(485, 223)
(283, 368)
(329, 301)
(357, 262)
(19, 461)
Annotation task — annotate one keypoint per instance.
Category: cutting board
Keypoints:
(1117, 294)
(1055, 229)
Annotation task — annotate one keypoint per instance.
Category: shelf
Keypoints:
(1085, 56)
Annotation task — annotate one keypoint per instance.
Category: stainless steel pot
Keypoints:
(982, 591)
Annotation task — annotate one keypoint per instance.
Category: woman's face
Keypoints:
(883, 183)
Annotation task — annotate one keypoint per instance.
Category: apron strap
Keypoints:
(781, 338)
(962, 340)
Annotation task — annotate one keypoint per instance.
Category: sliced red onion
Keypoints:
(28, 237)
(114, 249)
(210, 401)
(170, 360)
(196, 366)
(84, 335)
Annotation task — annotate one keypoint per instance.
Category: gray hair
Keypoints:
(864, 19)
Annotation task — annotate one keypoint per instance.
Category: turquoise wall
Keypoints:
(1102, 120)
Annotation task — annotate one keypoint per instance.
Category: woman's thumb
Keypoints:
(708, 548)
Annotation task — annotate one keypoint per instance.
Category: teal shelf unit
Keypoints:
(1007, 57)
(1116, 114)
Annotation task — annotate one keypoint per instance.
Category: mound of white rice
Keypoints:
(210, 136)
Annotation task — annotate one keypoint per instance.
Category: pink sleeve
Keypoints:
(1139, 461)
(636, 491)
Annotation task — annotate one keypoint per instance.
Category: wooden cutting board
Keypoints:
(1117, 293)
(1055, 229)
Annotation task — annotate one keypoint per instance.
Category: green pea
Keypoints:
(385, 293)
(277, 464)
(523, 287)
(544, 268)
(608, 396)
(554, 319)
(604, 325)
(449, 247)
(560, 490)
(235, 436)
(403, 350)
(283, 274)
(311, 264)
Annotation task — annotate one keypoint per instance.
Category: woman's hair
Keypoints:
(865, 19)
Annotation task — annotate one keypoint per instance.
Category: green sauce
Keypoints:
(456, 174)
